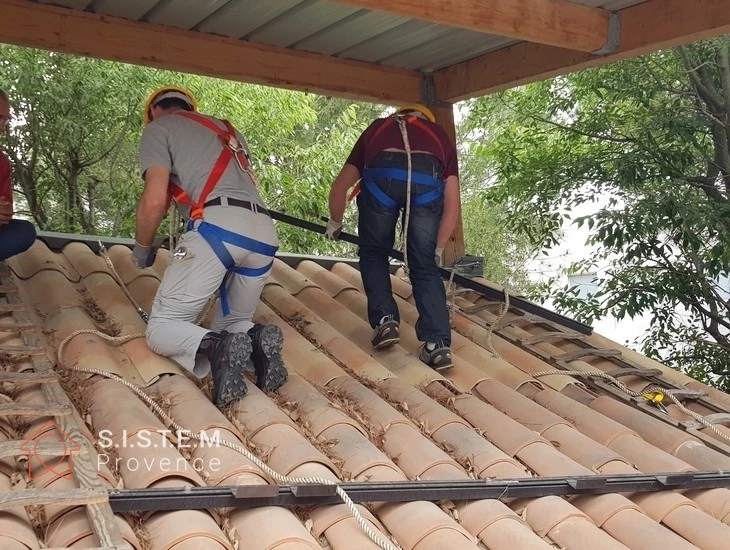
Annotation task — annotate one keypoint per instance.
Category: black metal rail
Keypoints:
(248, 496)
(490, 293)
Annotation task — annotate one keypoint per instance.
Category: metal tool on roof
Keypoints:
(489, 293)
(248, 496)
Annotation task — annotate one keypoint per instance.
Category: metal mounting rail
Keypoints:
(491, 293)
(248, 496)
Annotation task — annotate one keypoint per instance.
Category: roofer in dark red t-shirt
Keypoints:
(380, 160)
(16, 236)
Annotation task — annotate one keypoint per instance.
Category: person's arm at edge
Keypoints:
(452, 206)
(347, 177)
(152, 204)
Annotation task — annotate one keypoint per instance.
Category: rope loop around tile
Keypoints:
(376, 537)
(649, 394)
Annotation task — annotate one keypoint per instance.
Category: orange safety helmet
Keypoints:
(425, 111)
(167, 92)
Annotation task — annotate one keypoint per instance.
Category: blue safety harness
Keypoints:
(217, 238)
(417, 178)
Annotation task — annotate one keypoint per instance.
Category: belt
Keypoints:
(252, 206)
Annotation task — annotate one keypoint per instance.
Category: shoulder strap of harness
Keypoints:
(410, 119)
(232, 149)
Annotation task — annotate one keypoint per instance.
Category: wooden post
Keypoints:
(454, 250)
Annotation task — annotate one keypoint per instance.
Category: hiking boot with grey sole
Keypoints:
(228, 363)
(268, 342)
(438, 359)
(386, 334)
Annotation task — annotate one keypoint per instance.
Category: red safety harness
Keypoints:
(232, 150)
(410, 119)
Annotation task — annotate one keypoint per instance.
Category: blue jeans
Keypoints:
(15, 237)
(376, 228)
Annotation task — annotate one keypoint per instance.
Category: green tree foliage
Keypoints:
(643, 146)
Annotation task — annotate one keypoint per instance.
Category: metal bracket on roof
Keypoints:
(429, 97)
(314, 490)
(614, 35)
(675, 480)
(585, 483)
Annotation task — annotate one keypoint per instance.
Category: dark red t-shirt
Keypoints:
(6, 185)
(371, 143)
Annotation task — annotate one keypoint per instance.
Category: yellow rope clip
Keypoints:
(657, 398)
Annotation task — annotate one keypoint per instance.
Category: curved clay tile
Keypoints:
(294, 281)
(556, 518)
(83, 259)
(40, 258)
(287, 451)
(147, 455)
(407, 447)
(121, 257)
(464, 375)
(627, 519)
(15, 529)
(331, 285)
(271, 528)
(626, 522)
(109, 297)
(73, 528)
(192, 409)
(497, 526)
(492, 461)
(662, 435)
(196, 529)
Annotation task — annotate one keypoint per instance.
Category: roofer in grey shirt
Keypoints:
(202, 164)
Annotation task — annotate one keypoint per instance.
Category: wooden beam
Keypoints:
(29, 24)
(647, 27)
(555, 22)
(33, 497)
(454, 250)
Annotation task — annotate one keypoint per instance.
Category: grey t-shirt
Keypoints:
(189, 150)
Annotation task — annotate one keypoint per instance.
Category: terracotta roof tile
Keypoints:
(350, 413)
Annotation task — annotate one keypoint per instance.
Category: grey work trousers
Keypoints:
(190, 280)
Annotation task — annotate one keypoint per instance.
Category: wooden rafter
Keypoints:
(645, 27)
(554, 22)
(29, 24)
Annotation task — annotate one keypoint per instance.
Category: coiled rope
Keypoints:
(647, 393)
(366, 527)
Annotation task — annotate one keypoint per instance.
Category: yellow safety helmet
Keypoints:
(167, 92)
(425, 111)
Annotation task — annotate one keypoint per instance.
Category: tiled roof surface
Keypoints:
(347, 413)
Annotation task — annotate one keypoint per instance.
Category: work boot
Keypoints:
(386, 334)
(228, 363)
(436, 355)
(268, 342)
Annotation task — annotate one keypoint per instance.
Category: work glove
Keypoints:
(439, 254)
(333, 230)
(143, 256)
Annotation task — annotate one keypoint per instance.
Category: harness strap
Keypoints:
(417, 178)
(217, 237)
(231, 149)
(411, 119)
